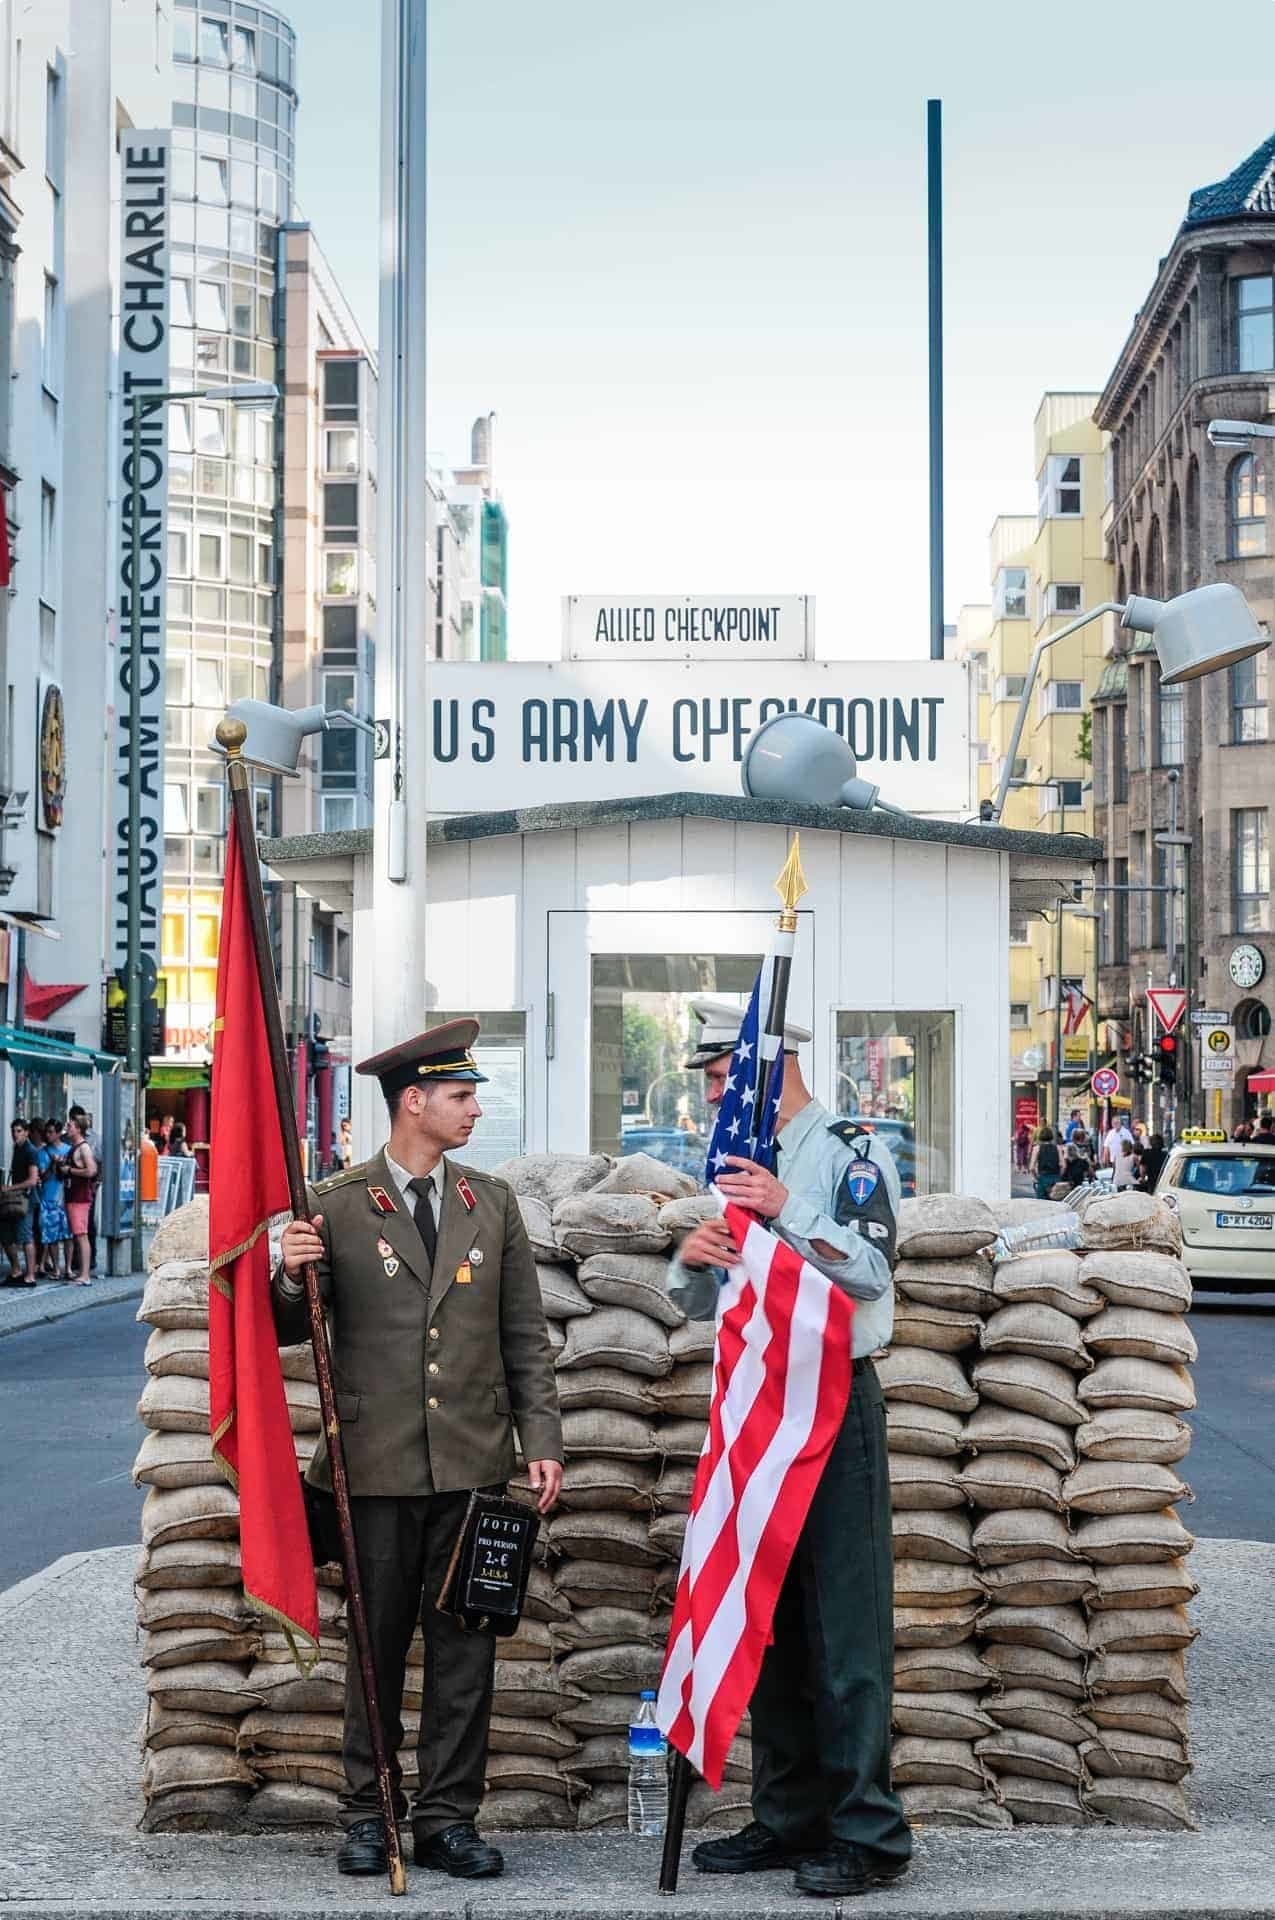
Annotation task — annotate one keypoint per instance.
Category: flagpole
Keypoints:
(231, 735)
(790, 886)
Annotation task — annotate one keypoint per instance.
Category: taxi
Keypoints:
(1223, 1192)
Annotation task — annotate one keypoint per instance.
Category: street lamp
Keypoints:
(1237, 433)
(247, 394)
(276, 734)
(1193, 634)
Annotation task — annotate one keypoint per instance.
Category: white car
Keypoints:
(1223, 1191)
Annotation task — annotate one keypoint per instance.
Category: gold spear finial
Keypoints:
(790, 886)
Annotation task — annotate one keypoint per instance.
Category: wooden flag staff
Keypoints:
(231, 735)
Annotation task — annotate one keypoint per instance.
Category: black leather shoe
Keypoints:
(363, 1849)
(754, 1849)
(842, 1870)
(460, 1851)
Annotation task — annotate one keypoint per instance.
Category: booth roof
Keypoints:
(703, 806)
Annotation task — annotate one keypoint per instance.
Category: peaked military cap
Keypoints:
(721, 1021)
(444, 1053)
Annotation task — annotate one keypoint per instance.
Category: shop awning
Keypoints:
(1262, 1082)
(32, 1052)
(39, 1001)
(176, 1075)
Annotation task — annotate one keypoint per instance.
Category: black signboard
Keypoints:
(487, 1579)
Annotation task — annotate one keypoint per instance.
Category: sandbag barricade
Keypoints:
(1034, 1411)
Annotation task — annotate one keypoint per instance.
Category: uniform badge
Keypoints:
(862, 1177)
(381, 1200)
(383, 1247)
(476, 1256)
(466, 1193)
(463, 1274)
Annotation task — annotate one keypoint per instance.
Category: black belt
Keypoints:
(862, 1364)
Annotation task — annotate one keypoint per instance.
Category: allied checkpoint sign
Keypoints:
(688, 626)
(525, 734)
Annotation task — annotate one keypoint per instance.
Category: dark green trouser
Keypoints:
(821, 1707)
(404, 1546)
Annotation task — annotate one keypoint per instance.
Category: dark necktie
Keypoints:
(424, 1214)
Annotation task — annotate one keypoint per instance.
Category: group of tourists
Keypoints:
(47, 1227)
(1133, 1155)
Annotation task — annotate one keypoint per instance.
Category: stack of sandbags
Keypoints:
(1081, 1376)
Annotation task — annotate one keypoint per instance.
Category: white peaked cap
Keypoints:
(719, 1030)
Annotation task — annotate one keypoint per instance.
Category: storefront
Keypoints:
(578, 936)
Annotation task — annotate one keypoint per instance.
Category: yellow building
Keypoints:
(1045, 570)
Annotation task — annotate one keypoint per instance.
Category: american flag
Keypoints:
(1076, 1005)
(749, 1108)
(781, 1384)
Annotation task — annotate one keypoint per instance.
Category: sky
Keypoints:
(680, 250)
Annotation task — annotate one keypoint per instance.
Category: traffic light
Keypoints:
(320, 1056)
(1166, 1048)
(1141, 1069)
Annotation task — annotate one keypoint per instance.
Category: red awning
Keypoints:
(39, 1002)
(1262, 1082)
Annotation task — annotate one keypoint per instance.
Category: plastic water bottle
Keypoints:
(648, 1773)
(1059, 1229)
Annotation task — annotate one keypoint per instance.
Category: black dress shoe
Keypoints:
(460, 1851)
(363, 1849)
(754, 1849)
(842, 1870)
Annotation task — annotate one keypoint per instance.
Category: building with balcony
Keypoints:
(1179, 513)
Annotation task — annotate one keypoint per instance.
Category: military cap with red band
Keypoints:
(444, 1053)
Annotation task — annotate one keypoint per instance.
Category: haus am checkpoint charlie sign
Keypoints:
(537, 733)
(690, 626)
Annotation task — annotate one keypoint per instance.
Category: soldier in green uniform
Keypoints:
(439, 1350)
(822, 1797)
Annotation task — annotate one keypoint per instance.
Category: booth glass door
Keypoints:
(894, 1070)
(621, 1029)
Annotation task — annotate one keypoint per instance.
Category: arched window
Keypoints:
(1135, 571)
(1173, 545)
(1191, 573)
(1246, 504)
(1155, 561)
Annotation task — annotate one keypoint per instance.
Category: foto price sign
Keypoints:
(1105, 1082)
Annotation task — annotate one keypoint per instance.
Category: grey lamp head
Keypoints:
(1197, 632)
(275, 735)
(795, 757)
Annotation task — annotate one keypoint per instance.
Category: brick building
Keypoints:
(1181, 512)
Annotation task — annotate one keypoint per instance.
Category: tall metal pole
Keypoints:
(934, 166)
(1058, 1019)
(134, 949)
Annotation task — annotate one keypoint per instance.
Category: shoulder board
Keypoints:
(345, 1178)
(475, 1175)
(849, 1134)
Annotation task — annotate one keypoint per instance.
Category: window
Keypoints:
(338, 692)
(1138, 714)
(1009, 594)
(210, 685)
(1113, 925)
(210, 305)
(1140, 927)
(1018, 930)
(1251, 869)
(1019, 1013)
(1254, 334)
(263, 811)
(340, 572)
(1099, 762)
(1170, 725)
(323, 934)
(54, 132)
(1065, 597)
(1059, 487)
(1248, 700)
(1071, 794)
(341, 389)
(1119, 755)
(213, 43)
(213, 181)
(337, 812)
(1246, 502)
(179, 550)
(340, 636)
(210, 430)
(210, 809)
(1159, 901)
(211, 563)
(1062, 696)
(341, 450)
(241, 558)
(1009, 686)
(896, 1069)
(343, 956)
(48, 543)
(51, 342)
(243, 47)
(176, 807)
(340, 511)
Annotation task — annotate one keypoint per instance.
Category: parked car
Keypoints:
(673, 1145)
(899, 1136)
(1223, 1192)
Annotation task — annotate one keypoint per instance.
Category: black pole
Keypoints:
(934, 165)
(679, 1787)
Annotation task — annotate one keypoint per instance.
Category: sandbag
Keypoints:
(166, 1728)
(999, 1429)
(935, 1583)
(1037, 1710)
(1021, 1533)
(1153, 1282)
(940, 1716)
(297, 1362)
(176, 1294)
(323, 1770)
(181, 1235)
(589, 1388)
(942, 1626)
(606, 1626)
(1051, 1278)
(1163, 1584)
(1141, 1333)
(304, 1411)
(937, 1763)
(1008, 1480)
(679, 1217)
(1041, 1803)
(592, 1223)
(927, 1378)
(213, 1686)
(951, 1286)
(607, 1431)
(280, 1687)
(1060, 1630)
(506, 1810)
(626, 1669)
(943, 1226)
(911, 1428)
(524, 1772)
(617, 1337)
(921, 1481)
(189, 1513)
(262, 1731)
(604, 1583)
(542, 1600)
(940, 1329)
(933, 1536)
(1030, 1666)
(604, 1536)
(177, 1404)
(1133, 1433)
(215, 1609)
(636, 1280)
(1123, 1539)
(1140, 1803)
(1138, 1383)
(538, 1221)
(553, 1176)
(1130, 1220)
(1033, 1756)
(956, 1669)
(177, 1350)
(1141, 1630)
(643, 1173)
(1039, 1583)
(944, 1806)
(692, 1341)
(178, 1769)
(176, 1460)
(666, 1534)
(1140, 1713)
(685, 1393)
(285, 1804)
(1163, 1674)
(607, 1482)
(1045, 1333)
(528, 1690)
(680, 1439)
(674, 1487)
(190, 1563)
(1118, 1486)
(1029, 1385)
(561, 1295)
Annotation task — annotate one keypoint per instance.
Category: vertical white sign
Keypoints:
(145, 215)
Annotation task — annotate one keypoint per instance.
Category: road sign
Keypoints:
(1209, 1017)
(1168, 1005)
(1217, 1056)
(1105, 1083)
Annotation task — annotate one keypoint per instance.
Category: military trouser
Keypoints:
(404, 1546)
(821, 1707)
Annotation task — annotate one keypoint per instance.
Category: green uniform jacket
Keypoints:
(432, 1372)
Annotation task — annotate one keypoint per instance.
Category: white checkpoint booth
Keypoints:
(579, 933)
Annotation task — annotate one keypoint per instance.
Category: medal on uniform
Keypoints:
(463, 1274)
(389, 1259)
(476, 1256)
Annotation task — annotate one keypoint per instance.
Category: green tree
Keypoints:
(1084, 740)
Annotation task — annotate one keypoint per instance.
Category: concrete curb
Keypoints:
(19, 1310)
(13, 1598)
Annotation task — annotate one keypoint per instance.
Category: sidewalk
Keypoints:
(72, 1706)
(53, 1299)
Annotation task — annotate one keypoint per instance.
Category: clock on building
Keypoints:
(1247, 964)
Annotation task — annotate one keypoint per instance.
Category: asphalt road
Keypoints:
(69, 1431)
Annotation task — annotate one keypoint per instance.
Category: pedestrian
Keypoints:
(1022, 1145)
(1243, 1131)
(94, 1141)
(428, 1275)
(1117, 1153)
(55, 1231)
(822, 1798)
(1045, 1163)
(21, 1207)
(177, 1148)
(1151, 1159)
(81, 1182)
(1075, 1124)
(345, 1143)
(1264, 1134)
(1077, 1159)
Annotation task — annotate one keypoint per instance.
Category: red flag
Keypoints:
(781, 1385)
(248, 1182)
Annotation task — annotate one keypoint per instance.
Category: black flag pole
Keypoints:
(790, 886)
